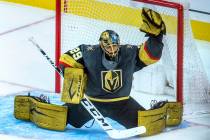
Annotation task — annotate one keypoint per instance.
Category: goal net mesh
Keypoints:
(82, 22)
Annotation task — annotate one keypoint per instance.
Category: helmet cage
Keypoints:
(109, 40)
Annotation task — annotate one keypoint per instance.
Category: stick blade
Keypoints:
(127, 133)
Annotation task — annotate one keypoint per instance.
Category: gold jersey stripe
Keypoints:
(65, 58)
(107, 100)
(144, 57)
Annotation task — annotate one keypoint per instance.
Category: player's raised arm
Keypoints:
(154, 27)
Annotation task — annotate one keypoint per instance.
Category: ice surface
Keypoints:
(23, 69)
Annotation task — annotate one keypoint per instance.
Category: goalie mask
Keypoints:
(109, 42)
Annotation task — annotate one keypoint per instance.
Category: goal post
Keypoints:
(179, 73)
(57, 44)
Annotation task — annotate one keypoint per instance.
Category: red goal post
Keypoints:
(57, 44)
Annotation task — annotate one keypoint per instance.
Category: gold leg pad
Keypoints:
(44, 115)
(174, 113)
(153, 120)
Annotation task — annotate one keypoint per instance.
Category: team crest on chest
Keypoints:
(111, 80)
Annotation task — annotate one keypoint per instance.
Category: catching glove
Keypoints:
(152, 23)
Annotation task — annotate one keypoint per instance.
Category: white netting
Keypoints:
(196, 85)
(84, 20)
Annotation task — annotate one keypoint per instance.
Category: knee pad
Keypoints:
(44, 115)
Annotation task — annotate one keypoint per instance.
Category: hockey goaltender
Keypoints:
(104, 72)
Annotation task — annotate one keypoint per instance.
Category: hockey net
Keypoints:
(180, 74)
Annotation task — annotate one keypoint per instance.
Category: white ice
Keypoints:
(23, 68)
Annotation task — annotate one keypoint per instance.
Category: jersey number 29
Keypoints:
(76, 53)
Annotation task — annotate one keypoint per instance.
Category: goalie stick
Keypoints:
(102, 121)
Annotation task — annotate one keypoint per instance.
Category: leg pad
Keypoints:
(44, 115)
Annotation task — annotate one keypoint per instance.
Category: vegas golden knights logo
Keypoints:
(111, 80)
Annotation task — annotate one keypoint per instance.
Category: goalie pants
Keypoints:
(124, 112)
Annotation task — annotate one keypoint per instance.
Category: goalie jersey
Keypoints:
(106, 85)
